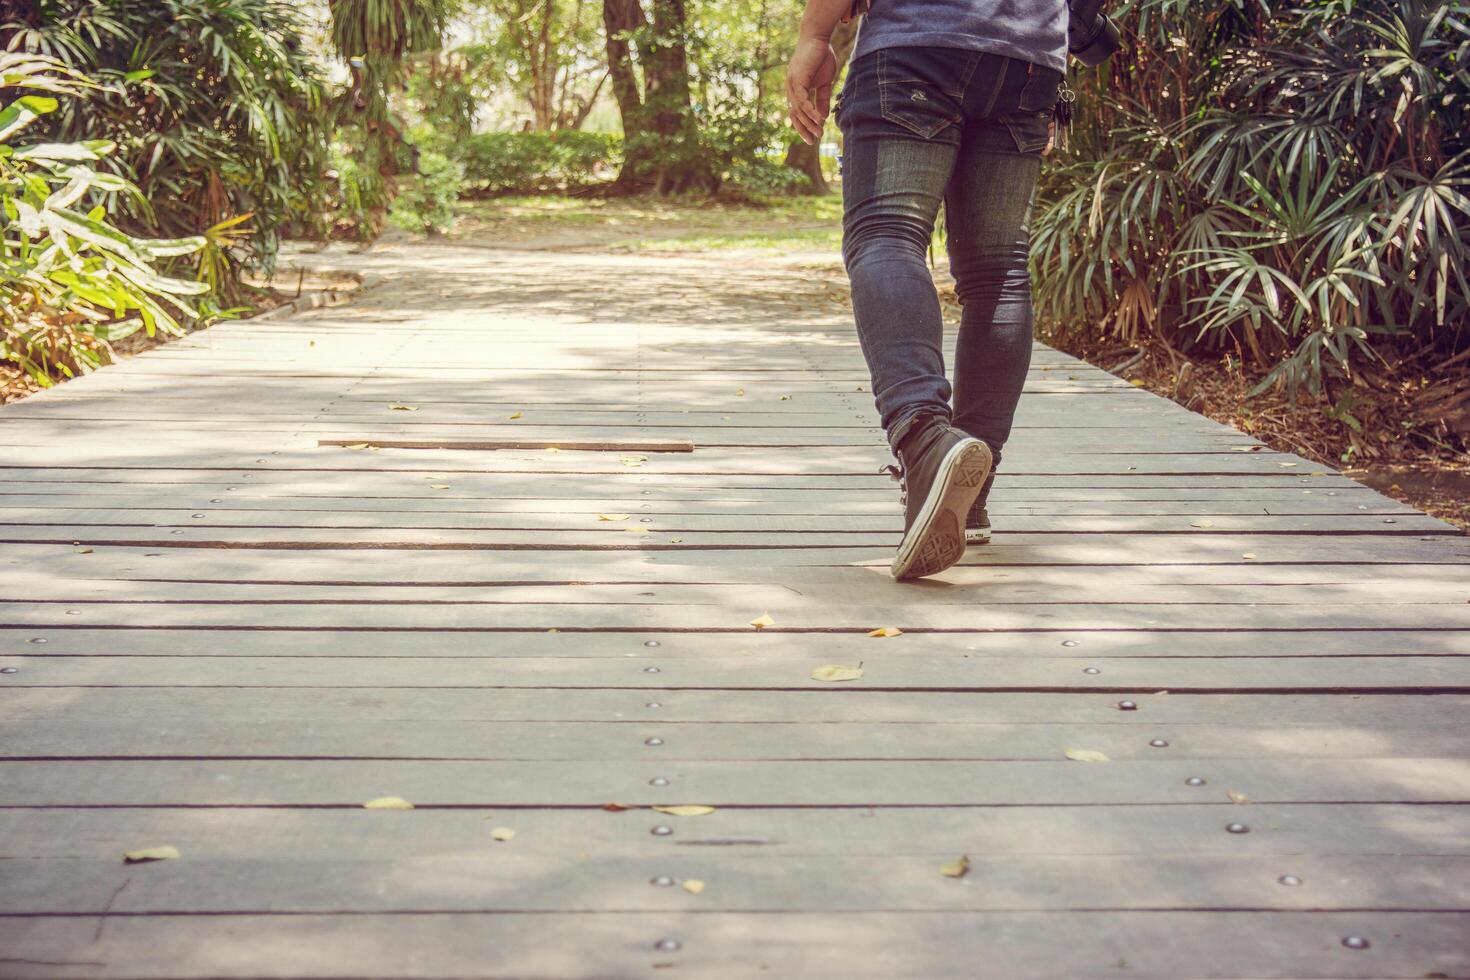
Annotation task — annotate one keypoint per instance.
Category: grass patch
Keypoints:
(776, 240)
(651, 224)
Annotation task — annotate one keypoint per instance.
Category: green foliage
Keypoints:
(425, 202)
(548, 54)
(215, 108)
(71, 282)
(377, 39)
(507, 162)
(1290, 184)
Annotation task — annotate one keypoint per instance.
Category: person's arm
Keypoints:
(813, 67)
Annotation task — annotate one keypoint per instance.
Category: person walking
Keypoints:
(946, 101)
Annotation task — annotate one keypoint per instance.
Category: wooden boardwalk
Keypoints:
(225, 625)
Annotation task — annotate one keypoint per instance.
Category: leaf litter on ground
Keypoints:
(163, 852)
(957, 868)
(837, 672)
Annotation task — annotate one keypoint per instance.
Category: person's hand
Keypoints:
(809, 87)
(1051, 138)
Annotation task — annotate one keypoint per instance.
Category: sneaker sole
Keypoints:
(937, 538)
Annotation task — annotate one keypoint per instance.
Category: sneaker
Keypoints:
(941, 470)
(977, 522)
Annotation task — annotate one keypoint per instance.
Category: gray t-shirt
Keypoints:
(1032, 30)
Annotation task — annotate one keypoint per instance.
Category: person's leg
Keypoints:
(900, 116)
(987, 214)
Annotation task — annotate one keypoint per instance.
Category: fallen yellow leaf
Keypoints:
(1202, 523)
(553, 449)
(1137, 382)
(676, 540)
(1285, 464)
(1237, 797)
(515, 416)
(438, 486)
(82, 551)
(1086, 755)
(403, 408)
(693, 886)
(1248, 555)
(388, 803)
(886, 631)
(836, 672)
(686, 809)
(164, 852)
(356, 445)
(740, 391)
(956, 869)
(762, 621)
(785, 398)
(613, 517)
(637, 529)
(502, 833)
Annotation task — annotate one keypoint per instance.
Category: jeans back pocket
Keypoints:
(1029, 130)
(912, 93)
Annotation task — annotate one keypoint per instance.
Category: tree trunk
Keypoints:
(808, 159)
(619, 19)
(681, 166)
(660, 137)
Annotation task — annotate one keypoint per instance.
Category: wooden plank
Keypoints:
(478, 880)
(560, 528)
(887, 668)
(390, 471)
(72, 735)
(1283, 832)
(796, 613)
(795, 945)
(45, 451)
(1275, 585)
(746, 783)
(66, 638)
(62, 500)
(395, 709)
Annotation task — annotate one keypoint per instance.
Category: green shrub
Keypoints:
(531, 162)
(763, 177)
(216, 108)
(1292, 184)
(70, 282)
(425, 201)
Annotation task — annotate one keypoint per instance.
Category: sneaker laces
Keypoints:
(895, 472)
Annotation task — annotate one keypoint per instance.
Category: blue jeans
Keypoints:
(922, 126)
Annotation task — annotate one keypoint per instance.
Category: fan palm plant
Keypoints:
(1291, 184)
